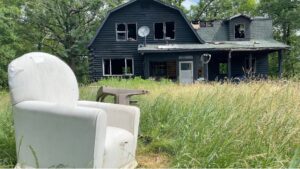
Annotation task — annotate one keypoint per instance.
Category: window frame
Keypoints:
(244, 31)
(126, 32)
(165, 30)
(110, 69)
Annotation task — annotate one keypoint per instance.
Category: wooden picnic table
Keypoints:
(121, 96)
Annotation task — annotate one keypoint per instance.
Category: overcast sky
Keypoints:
(187, 3)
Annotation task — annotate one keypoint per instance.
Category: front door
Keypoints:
(186, 72)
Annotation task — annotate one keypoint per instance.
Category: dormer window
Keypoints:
(240, 31)
(126, 32)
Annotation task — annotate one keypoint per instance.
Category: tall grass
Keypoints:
(7, 140)
(209, 125)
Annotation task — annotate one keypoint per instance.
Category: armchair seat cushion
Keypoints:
(119, 147)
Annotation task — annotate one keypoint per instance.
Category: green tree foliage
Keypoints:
(10, 42)
(220, 9)
(286, 20)
(64, 28)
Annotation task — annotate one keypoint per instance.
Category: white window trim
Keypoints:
(244, 30)
(126, 32)
(125, 60)
(165, 30)
(117, 32)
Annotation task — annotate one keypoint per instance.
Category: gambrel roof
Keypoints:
(158, 1)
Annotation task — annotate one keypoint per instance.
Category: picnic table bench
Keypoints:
(121, 96)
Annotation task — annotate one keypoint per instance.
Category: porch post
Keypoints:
(146, 67)
(229, 65)
(280, 55)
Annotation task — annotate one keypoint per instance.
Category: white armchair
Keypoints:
(54, 129)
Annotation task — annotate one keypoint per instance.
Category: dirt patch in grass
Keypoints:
(153, 161)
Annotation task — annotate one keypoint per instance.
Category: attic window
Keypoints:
(121, 32)
(131, 32)
(164, 30)
(170, 30)
(239, 31)
(159, 30)
(126, 32)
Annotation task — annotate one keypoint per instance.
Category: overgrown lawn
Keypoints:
(203, 125)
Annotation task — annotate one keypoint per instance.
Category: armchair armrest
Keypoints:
(51, 135)
(122, 116)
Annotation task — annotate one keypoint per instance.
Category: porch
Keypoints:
(244, 59)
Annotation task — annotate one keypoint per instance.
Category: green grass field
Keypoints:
(203, 125)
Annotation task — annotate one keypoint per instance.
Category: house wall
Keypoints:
(144, 14)
(261, 29)
(237, 63)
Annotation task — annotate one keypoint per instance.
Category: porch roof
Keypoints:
(252, 45)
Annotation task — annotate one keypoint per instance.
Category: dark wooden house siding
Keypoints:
(239, 20)
(238, 61)
(106, 46)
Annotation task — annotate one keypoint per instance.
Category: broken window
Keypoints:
(129, 68)
(121, 32)
(204, 24)
(223, 68)
(164, 31)
(106, 66)
(159, 30)
(239, 31)
(126, 32)
(117, 67)
(170, 30)
(132, 32)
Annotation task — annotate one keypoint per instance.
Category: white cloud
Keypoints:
(188, 3)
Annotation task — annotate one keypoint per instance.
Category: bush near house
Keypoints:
(203, 125)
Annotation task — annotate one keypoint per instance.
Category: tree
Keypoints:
(286, 21)
(64, 28)
(10, 43)
(221, 9)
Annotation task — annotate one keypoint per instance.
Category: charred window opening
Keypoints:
(204, 24)
(132, 32)
(170, 30)
(121, 32)
(126, 32)
(223, 68)
(129, 68)
(239, 31)
(159, 31)
(106, 66)
(164, 30)
(117, 67)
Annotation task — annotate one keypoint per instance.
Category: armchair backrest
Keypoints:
(42, 77)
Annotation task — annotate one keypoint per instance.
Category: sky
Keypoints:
(187, 3)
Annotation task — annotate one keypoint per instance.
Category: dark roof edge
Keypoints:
(132, 1)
